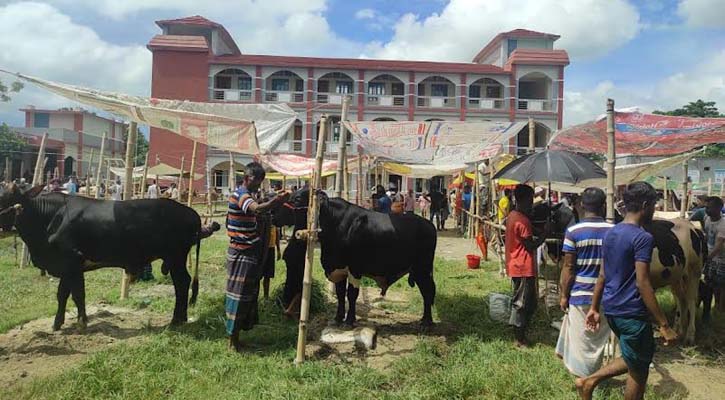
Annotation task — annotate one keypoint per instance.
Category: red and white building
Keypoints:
(516, 75)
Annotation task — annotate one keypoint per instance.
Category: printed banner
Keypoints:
(233, 127)
(294, 165)
(642, 134)
(433, 142)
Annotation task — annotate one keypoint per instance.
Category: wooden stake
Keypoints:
(611, 162)
(180, 181)
(208, 188)
(683, 202)
(89, 173)
(100, 167)
(709, 186)
(128, 189)
(311, 239)
(666, 195)
(191, 175)
(145, 175)
(342, 149)
(360, 180)
(232, 177)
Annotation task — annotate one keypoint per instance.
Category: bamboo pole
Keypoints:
(311, 239)
(128, 189)
(8, 170)
(145, 176)
(232, 179)
(37, 180)
(709, 186)
(208, 188)
(180, 181)
(611, 162)
(359, 182)
(22, 167)
(100, 167)
(683, 202)
(666, 196)
(89, 173)
(532, 136)
(342, 149)
(191, 175)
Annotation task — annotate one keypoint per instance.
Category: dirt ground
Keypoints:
(33, 350)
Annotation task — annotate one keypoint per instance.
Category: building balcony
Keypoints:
(385, 100)
(540, 105)
(486, 103)
(333, 98)
(230, 94)
(282, 96)
(436, 102)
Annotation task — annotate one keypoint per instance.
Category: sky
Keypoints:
(647, 54)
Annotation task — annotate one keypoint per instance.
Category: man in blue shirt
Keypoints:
(583, 351)
(384, 202)
(625, 291)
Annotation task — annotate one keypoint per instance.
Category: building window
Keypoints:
(474, 92)
(245, 83)
(222, 82)
(376, 88)
(220, 178)
(397, 89)
(439, 90)
(299, 85)
(512, 45)
(343, 87)
(493, 92)
(42, 120)
(280, 85)
(323, 86)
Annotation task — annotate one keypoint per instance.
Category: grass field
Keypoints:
(475, 361)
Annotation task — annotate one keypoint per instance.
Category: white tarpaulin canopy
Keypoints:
(294, 165)
(242, 128)
(434, 142)
(424, 171)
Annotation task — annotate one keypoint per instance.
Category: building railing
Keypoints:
(291, 146)
(386, 100)
(536, 105)
(436, 102)
(230, 94)
(334, 98)
(487, 103)
(283, 96)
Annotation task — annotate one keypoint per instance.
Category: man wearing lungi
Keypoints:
(626, 293)
(520, 266)
(581, 350)
(244, 270)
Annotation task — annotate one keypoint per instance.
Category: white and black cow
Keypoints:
(356, 242)
(679, 253)
(69, 235)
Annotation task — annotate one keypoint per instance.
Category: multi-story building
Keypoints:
(518, 74)
(73, 135)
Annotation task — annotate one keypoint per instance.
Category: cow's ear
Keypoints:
(33, 192)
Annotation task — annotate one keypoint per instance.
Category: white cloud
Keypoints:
(37, 39)
(702, 13)
(704, 81)
(365, 13)
(588, 28)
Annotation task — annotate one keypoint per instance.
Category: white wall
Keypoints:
(61, 121)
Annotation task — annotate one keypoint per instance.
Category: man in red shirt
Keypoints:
(520, 265)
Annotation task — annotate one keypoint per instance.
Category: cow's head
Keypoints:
(293, 212)
(561, 217)
(12, 201)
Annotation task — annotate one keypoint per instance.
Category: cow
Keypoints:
(69, 235)
(679, 253)
(293, 255)
(356, 242)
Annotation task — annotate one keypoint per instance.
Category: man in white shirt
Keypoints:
(153, 191)
(174, 192)
(715, 264)
(117, 191)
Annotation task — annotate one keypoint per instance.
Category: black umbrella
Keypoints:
(551, 166)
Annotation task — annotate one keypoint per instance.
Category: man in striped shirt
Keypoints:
(580, 349)
(244, 253)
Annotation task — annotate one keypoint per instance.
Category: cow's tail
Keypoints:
(205, 232)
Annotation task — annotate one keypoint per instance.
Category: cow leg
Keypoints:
(62, 296)
(182, 280)
(427, 288)
(340, 291)
(691, 300)
(78, 291)
(352, 294)
(706, 295)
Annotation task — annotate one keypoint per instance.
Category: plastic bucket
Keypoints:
(474, 261)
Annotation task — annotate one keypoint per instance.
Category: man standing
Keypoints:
(436, 202)
(715, 264)
(174, 192)
(520, 249)
(153, 191)
(383, 201)
(625, 291)
(410, 202)
(582, 351)
(243, 254)
(466, 203)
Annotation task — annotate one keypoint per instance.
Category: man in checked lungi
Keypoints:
(244, 269)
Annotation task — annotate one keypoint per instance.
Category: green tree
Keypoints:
(142, 147)
(5, 91)
(10, 144)
(700, 109)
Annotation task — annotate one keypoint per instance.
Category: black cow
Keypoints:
(356, 242)
(679, 253)
(69, 235)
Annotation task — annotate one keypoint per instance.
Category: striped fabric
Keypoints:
(241, 223)
(585, 240)
(240, 304)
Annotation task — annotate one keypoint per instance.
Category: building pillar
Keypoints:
(463, 97)
(78, 127)
(560, 100)
(513, 142)
(309, 131)
(411, 96)
(28, 119)
(360, 95)
(258, 84)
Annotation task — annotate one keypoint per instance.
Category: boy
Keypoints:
(582, 351)
(625, 291)
(520, 249)
(715, 264)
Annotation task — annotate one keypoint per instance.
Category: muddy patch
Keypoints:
(33, 350)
